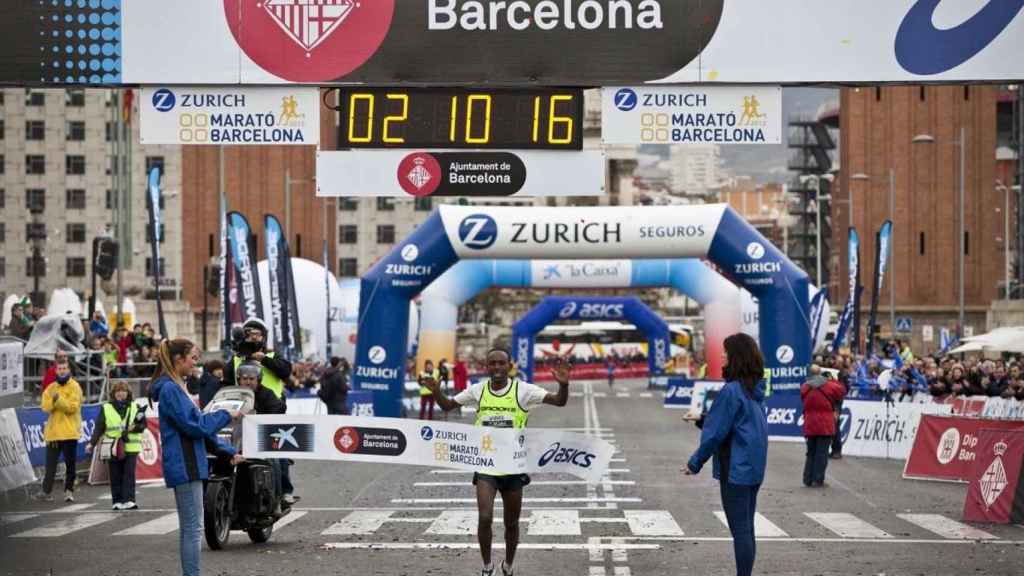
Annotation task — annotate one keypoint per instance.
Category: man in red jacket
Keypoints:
(818, 396)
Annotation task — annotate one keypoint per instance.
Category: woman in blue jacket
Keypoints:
(735, 433)
(184, 431)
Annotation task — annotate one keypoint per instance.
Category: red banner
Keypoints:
(992, 494)
(594, 371)
(946, 447)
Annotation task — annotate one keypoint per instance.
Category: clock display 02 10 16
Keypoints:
(437, 118)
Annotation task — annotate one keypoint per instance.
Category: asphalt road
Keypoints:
(646, 518)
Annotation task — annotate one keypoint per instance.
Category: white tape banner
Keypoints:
(439, 444)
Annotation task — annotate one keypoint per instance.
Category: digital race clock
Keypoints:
(435, 118)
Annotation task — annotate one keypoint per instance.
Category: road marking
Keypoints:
(613, 460)
(622, 394)
(454, 522)
(288, 519)
(525, 500)
(162, 525)
(74, 508)
(603, 520)
(617, 471)
(946, 527)
(7, 519)
(847, 525)
(621, 570)
(537, 483)
(597, 571)
(763, 527)
(360, 522)
(587, 429)
(728, 540)
(555, 523)
(652, 523)
(67, 525)
(646, 395)
(474, 546)
(600, 395)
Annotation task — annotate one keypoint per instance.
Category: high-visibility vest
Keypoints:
(267, 378)
(116, 426)
(767, 382)
(424, 391)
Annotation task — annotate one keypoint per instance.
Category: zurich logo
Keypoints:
(163, 100)
(755, 250)
(377, 354)
(923, 49)
(410, 252)
(784, 354)
(568, 310)
(478, 231)
(427, 433)
(626, 99)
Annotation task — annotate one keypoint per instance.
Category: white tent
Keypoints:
(1006, 339)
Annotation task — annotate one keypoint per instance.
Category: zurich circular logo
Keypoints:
(784, 354)
(755, 250)
(478, 231)
(626, 99)
(164, 100)
(427, 433)
(410, 252)
(377, 354)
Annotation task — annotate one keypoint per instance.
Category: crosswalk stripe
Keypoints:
(162, 525)
(652, 523)
(7, 519)
(555, 523)
(288, 519)
(763, 527)
(454, 522)
(622, 394)
(75, 507)
(67, 525)
(534, 483)
(946, 527)
(847, 525)
(360, 522)
(646, 395)
(525, 500)
(600, 395)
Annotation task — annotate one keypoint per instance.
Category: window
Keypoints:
(3, 232)
(34, 98)
(75, 267)
(76, 233)
(424, 204)
(75, 131)
(35, 231)
(386, 234)
(74, 199)
(149, 267)
(3, 261)
(154, 162)
(967, 243)
(35, 200)
(111, 199)
(348, 204)
(348, 234)
(74, 97)
(149, 233)
(3, 195)
(35, 130)
(112, 168)
(35, 267)
(75, 164)
(3, 164)
(35, 164)
(385, 203)
(347, 267)
(3, 128)
(111, 131)
(921, 246)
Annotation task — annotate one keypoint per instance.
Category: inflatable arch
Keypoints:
(553, 308)
(720, 299)
(712, 231)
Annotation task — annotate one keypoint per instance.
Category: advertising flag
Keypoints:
(282, 288)
(243, 267)
(882, 248)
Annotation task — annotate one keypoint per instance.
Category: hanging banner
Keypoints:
(210, 115)
(946, 447)
(12, 379)
(282, 291)
(448, 445)
(691, 115)
(243, 263)
(847, 318)
(460, 173)
(15, 467)
(995, 493)
(230, 308)
(155, 238)
(882, 247)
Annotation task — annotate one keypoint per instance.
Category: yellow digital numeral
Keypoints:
(556, 120)
(536, 117)
(470, 139)
(396, 118)
(352, 100)
(451, 120)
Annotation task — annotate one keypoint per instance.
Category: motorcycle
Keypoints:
(242, 496)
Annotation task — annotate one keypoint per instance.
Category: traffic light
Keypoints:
(106, 257)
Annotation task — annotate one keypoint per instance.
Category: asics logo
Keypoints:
(923, 49)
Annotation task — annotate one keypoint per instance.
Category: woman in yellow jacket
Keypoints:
(62, 400)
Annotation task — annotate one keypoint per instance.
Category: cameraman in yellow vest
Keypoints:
(426, 396)
(120, 421)
(502, 402)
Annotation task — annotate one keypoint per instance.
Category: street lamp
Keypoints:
(816, 178)
(961, 144)
(1006, 234)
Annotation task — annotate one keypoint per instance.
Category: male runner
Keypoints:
(502, 402)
